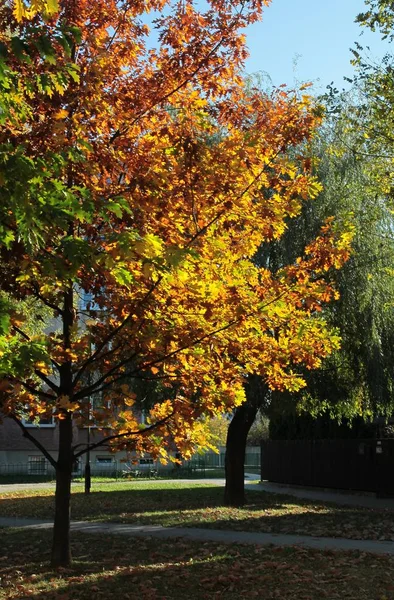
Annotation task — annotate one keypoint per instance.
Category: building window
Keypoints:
(42, 422)
(104, 460)
(37, 465)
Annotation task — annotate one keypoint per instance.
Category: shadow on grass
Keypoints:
(193, 506)
(114, 504)
(105, 505)
(147, 569)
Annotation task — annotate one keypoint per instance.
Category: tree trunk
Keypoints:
(234, 493)
(61, 552)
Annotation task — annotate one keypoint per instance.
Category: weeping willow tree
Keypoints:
(358, 379)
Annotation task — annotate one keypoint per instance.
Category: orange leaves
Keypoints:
(176, 175)
(63, 402)
(332, 248)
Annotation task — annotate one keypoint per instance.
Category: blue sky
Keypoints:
(309, 40)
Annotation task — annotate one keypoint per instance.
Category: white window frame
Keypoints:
(28, 423)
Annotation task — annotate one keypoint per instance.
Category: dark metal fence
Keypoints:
(365, 465)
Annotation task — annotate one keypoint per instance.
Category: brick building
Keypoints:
(19, 455)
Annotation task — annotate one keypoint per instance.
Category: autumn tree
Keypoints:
(142, 177)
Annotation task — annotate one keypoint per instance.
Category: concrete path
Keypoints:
(214, 535)
(367, 500)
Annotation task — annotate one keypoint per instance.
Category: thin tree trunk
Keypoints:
(61, 551)
(234, 493)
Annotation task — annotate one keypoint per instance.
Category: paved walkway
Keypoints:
(344, 498)
(227, 536)
(214, 535)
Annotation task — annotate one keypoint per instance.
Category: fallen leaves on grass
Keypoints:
(190, 505)
(151, 569)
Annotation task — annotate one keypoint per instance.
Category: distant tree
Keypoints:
(217, 428)
(379, 16)
(358, 379)
(259, 430)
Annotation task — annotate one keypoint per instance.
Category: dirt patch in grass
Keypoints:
(150, 569)
(191, 505)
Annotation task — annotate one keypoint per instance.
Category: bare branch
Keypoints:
(21, 333)
(108, 338)
(45, 301)
(116, 436)
(26, 433)
(46, 380)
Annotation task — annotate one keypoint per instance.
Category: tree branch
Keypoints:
(21, 333)
(45, 301)
(30, 437)
(113, 333)
(122, 435)
(33, 390)
(133, 374)
(46, 380)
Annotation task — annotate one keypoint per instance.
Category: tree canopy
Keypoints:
(139, 180)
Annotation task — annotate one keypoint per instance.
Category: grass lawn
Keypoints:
(192, 505)
(150, 569)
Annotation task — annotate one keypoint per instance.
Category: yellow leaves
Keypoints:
(47, 7)
(148, 270)
(52, 6)
(151, 246)
(19, 10)
(315, 188)
(63, 403)
(129, 401)
(347, 237)
(61, 114)
(128, 397)
(43, 367)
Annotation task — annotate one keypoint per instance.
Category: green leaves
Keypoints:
(379, 16)
(5, 319)
(33, 208)
(20, 49)
(118, 206)
(18, 357)
(28, 10)
(46, 50)
(122, 275)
